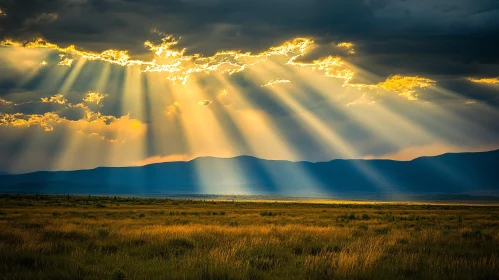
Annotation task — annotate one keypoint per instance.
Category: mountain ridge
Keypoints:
(252, 157)
(449, 173)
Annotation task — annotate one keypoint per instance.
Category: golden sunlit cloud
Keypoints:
(275, 82)
(43, 63)
(406, 85)
(178, 67)
(332, 66)
(470, 102)
(110, 129)
(3, 101)
(347, 46)
(47, 121)
(205, 102)
(94, 97)
(66, 62)
(173, 109)
(106, 127)
(223, 92)
(58, 98)
(485, 80)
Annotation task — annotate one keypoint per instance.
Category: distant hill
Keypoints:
(449, 174)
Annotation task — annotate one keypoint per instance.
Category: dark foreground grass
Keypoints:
(69, 237)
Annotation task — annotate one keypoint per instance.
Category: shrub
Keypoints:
(11, 238)
(363, 227)
(31, 225)
(119, 274)
(334, 248)
(233, 223)
(66, 235)
(180, 243)
(476, 234)
(103, 232)
(383, 230)
(108, 249)
(269, 213)
(61, 247)
(172, 248)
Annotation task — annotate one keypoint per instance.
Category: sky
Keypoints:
(88, 83)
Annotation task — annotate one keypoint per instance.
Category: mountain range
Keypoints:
(443, 175)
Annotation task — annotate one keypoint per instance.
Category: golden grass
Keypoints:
(68, 237)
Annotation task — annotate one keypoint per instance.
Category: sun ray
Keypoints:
(34, 70)
(331, 141)
(71, 78)
(206, 137)
(401, 131)
(274, 147)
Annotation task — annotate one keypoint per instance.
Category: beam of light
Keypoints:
(400, 127)
(404, 127)
(53, 79)
(103, 78)
(73, 75)
(274, 147)
(285, 96)
(445, 115)
(73, 144)
(206, 137)
(331, 141)
(30, 152)
(26, 63)
(133, 107)
(377, 125)
(46, 121)
(169, 141)
(59, 132)
(35, 70)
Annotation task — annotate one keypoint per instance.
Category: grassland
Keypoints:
(70, 237)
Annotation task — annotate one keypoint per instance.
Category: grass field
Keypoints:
(71, 237)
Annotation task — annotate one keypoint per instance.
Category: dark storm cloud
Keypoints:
(247, 24)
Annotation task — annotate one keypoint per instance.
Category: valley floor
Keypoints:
(76, 237)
